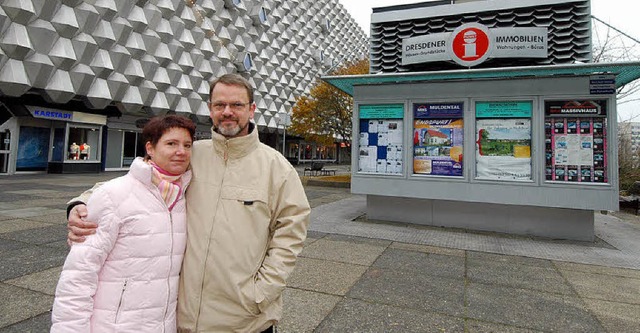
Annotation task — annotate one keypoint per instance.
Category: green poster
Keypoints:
(382, 111)
(504, 109)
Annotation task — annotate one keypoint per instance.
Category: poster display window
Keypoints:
(380, 149)
(576, 141)
(438, 139)
(503, 146)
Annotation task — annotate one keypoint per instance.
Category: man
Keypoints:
(247, 217)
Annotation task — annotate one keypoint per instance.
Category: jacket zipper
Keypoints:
(226, 158)
(226, 151)
(166, 305)
(124, 287)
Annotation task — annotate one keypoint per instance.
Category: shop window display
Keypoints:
(81, 141)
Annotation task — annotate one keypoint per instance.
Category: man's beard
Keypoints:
(231, 132)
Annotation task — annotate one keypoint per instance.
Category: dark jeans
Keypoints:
(270, 330)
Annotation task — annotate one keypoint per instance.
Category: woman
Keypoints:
(124, 278)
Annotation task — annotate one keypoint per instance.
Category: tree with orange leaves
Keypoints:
(324, 116)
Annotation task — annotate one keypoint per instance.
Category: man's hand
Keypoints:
(78, 228)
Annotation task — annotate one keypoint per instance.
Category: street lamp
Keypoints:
(285, 120)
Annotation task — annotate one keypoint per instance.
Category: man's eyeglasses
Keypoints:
(233, 106)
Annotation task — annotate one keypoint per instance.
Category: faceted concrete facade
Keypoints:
(154, 56)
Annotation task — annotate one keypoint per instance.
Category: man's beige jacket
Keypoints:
(247, 217)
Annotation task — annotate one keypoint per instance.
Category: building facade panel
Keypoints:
(145, 58)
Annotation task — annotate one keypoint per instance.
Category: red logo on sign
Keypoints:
(470, 44)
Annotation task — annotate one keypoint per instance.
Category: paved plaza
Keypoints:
(356, 275)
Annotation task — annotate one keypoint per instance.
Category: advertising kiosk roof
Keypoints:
(625, 72)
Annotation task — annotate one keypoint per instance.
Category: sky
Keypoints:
(614, 12)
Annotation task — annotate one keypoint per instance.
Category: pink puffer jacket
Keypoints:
(125, 277)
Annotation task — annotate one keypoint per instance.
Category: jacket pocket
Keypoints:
(249, 297)
(121, 301)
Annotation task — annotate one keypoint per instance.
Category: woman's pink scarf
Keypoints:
(168, 184)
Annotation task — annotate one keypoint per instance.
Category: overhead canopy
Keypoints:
(625, 72)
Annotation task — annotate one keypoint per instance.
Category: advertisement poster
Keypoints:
(33, 148)
(438, 139)
(575, 141)
(503, 149)
(380, 146)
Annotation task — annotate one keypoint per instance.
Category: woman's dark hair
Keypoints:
(157, 126)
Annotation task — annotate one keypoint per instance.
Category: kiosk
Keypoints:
(529, 150)
(487, 115)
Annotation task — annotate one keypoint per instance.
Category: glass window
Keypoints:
(83, 143)
(33, 148)
(503, 146)
(438, 138)
(263, 15)
(380, 140)
(576, 141)
(58, 145)
(130, 147)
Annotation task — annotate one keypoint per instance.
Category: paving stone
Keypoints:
(4, 205)
(569, 266)
(10, 197)
(427, 249)
(605, 286)
(529, 309)
(353, 315)
(55, 218)
(422, 263)
(315, 202)
(471, 255)
(317, 192)
(38, 324)
(477, 326)
(44, 281)
(615, 316)
(315, 234)
(325, 276)
(36, 192)
(47, 234)
(30, 211)
(53, 203)
(28, 260)
(18, 304)
(411, 289)
(61, 244)
(9, 245)
(12, 225)
(515, 275)
(304, 310)
(351, 250)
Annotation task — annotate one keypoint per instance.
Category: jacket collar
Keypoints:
(141, 171)
(235, 147)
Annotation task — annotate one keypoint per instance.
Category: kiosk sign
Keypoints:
(473, 43)
(470, 44)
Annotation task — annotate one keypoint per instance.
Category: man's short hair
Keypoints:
(233, 80)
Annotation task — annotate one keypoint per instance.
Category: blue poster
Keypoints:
(33, 148)
(438, 110)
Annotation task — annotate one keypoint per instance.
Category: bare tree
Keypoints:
(613, 45)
